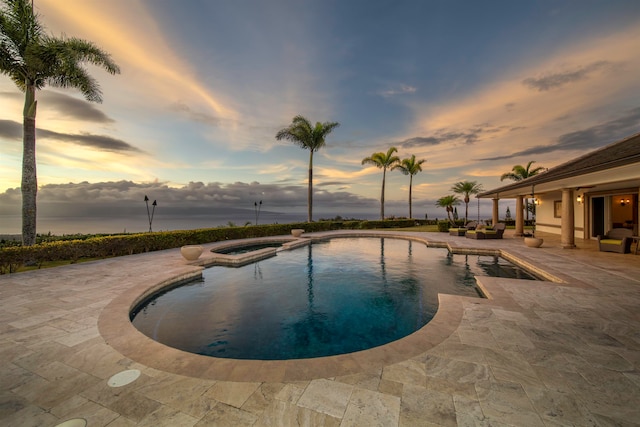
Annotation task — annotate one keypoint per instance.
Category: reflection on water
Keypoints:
(487, 265)
(331, 297)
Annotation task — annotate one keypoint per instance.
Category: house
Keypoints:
(583, 197)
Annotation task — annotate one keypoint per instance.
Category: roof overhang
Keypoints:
(627, 176)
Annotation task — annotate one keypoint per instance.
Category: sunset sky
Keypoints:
(472, 87)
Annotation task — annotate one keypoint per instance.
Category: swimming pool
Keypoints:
(331, 297)
(243, 249)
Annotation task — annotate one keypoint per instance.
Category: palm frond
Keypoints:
(519, 172)
(409, 166)
(83, 51)
(303, 134)
(10, 56)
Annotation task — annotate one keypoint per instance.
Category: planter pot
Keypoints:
(533, 242)
(297, 232)
(191, 252)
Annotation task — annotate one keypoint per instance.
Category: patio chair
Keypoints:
(461, 231)
(616, 240)
(496, 232)
(487, 233)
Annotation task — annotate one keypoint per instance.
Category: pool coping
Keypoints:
(117, 330)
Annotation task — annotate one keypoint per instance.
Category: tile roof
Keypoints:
(620, 153)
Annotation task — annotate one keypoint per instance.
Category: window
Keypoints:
(557, 208)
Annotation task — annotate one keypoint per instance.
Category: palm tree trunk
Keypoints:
(466, 210)
(310, 189)
(29, 184)
(410, 186)
(384, 173)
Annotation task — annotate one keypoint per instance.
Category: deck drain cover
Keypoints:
(123, 378)
(75, 422)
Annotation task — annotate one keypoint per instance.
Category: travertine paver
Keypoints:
(535, 354)
(328, 397)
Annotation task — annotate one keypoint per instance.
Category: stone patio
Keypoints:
(533, 354)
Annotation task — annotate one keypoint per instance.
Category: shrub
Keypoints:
(75, 247)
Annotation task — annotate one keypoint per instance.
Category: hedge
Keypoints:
(13, 257)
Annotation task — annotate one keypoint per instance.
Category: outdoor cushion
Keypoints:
(457, 231)
(474, 234)
(611, 241)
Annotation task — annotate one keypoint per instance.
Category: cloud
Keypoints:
(420, 141)
(73, 108)
(586, 139)
(195, 116)
(10, 129)
(399, 90)
(126, 197)
(332, 183)
(551, 81)
(602, 134)
(467, 136)
(13, 130)
(99, 142)
(525, 120)
(139, 44)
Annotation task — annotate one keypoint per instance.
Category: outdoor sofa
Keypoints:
(495, 232)
(460, 231)
(617, 240)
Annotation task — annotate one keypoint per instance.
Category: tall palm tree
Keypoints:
(311, 138)
(33, 59)
(410, 167)
(466, 188)
(448, 202)
(518, 173)
(384, 162)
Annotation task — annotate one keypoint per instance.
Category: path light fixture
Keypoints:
(153, 210)
(257, 206)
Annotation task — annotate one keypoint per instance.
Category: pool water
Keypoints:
(331, 297)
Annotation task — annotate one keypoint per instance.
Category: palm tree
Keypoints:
(448, 202)
(410, 167)
(518, 173)
(311, 138)
(383, 161)
(32, 60)
(467, 188)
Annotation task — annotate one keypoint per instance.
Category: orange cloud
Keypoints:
(142, 55)
(526, 106)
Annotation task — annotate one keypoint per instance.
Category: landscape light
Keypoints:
(257, 208)
(153, 210)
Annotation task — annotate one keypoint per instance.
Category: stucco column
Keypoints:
(494, 218)
(567, 231)
(519, 216)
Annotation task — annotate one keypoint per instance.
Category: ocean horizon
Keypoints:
(61, 225)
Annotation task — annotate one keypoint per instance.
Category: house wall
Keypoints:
(545, 219)
(549, 214)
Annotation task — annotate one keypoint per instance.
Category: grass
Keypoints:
(429, 228)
